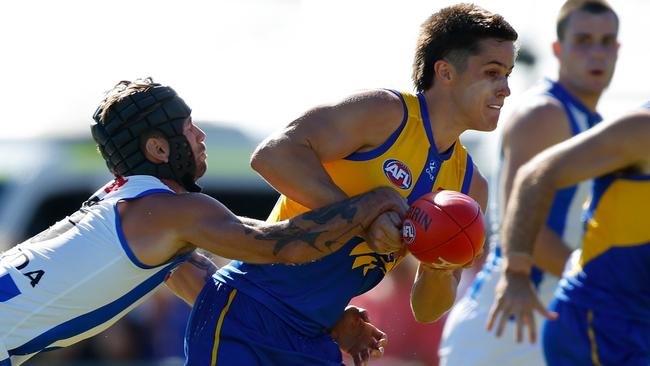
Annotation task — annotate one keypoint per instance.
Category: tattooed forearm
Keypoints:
(291, 234)
(317, 233)
(346, 209)
(312, 228)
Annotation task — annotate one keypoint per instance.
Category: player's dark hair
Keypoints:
(571, 6)
(454, 33)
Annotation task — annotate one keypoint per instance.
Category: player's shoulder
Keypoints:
(374, 113)
(383, 103)
(377, 96)
(536, 116)
(538, 108)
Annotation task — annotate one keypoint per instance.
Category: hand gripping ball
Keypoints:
(445, 229)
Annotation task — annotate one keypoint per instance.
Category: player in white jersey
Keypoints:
(550, 113)
(85, 272)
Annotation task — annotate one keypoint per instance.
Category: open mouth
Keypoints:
(494, 106)
(597, 72)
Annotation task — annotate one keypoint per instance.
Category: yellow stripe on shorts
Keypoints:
(592, 339)
(217, 331)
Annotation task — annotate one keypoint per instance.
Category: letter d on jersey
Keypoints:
(398, 173)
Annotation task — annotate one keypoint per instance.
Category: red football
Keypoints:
(445, 229)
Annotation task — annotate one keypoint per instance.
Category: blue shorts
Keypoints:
(228, 328)
(584, 337)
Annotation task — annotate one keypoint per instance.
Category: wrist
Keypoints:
(518, 263)
(435, 269)
(332, 332)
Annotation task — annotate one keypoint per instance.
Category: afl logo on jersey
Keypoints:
(398, 173)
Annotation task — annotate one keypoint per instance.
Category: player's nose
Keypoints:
(200, 135)
(504, 89)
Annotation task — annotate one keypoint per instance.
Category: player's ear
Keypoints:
(156, 149)
(444, 71)
(557, 49)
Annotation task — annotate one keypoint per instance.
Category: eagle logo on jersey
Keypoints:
(369, 260)
(398, 173)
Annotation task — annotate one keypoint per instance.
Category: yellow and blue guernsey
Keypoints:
(310, 298)
(612, 274)
(603, 298)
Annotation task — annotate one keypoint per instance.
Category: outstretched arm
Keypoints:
(604, 149)
(307, 237)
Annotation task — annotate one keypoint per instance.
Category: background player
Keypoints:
(586, 49)
(602, 300)
(82, 274)
(278, 314)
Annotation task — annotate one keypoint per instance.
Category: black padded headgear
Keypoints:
(118, 135)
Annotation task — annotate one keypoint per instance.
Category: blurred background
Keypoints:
(246, 68)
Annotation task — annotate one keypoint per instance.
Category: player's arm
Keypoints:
(291, 160)
(606, 148)
(603, 149)
(434, 290)
(188, 279)
(533, 128)
(206, 223)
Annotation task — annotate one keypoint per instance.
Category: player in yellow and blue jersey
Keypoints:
(551, 112)
(601, 310)
(280, 315)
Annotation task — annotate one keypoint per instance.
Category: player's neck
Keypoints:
(174, 186)
(443, 118)
(588, 99)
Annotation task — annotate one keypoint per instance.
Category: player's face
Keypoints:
(196, 137)
(480, 90)
(588, 52)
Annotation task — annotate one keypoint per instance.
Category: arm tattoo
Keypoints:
(293, 233)
(346, 209)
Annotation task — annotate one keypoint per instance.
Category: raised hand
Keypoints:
(515, 296)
